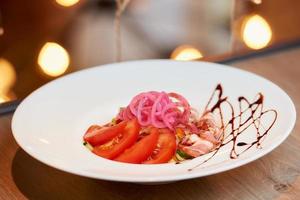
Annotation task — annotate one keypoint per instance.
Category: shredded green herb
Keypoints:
(183, 155)
(113, 121)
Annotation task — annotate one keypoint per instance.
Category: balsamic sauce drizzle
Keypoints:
(233, 128)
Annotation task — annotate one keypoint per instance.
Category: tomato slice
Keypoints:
(141, 150)
(166, 148)
(125, 139)
(97, 135)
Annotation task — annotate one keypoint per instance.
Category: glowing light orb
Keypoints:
(67, 3)
(53, 59)
(256, 32)
(186, 53)
(7, 76)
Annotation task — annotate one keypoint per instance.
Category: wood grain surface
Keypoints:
(275, 176)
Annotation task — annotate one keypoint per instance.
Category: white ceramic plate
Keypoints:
(49, 123)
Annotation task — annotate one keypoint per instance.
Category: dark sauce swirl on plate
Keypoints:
(249, 115)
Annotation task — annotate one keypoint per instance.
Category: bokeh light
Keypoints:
(53, 59)
(67, 3)
(257, 1)
(4, 98)
(7, 79)
(7, 76)
(186, 53)
(256, 32)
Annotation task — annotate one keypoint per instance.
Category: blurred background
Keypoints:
(42, 40)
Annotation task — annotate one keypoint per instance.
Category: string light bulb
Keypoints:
(53, 59)
(256, 32)
(186, 53)
(67, 3)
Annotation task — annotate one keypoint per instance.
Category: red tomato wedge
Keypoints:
(124, 139)
(141, 150)
(97, 135)
(166, 148)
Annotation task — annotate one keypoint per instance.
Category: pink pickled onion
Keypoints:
(159, 109)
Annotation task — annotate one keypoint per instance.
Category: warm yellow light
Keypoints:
(186, 53)
(256, 32)
(53, 59)
(67, 3)
(257, 1)
(3, 98)
(7, 76)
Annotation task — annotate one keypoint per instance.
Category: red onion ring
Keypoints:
(159, 109)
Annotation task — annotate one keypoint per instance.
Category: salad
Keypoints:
(156, 127)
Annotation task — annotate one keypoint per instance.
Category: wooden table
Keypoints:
(275, 176)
